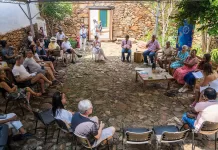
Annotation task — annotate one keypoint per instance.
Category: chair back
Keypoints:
(83, 140)
(174, 136)
(62, 125)
(45, 116)
(138, 137)
(209, 126)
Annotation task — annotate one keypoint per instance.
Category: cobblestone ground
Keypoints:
(117, 99)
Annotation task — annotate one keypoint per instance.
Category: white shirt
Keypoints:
(66, 45)
(82, 31)
(60, 36)
(64, 115)
(30, 38)
(20, 71)
(37, 56)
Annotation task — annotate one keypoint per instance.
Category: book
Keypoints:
(143, 74)
(198, 74)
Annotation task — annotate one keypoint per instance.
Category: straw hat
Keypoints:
(53, 39)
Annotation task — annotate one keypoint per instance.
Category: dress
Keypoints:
(182, 71)
(179, 63)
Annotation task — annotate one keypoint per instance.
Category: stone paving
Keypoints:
(117, 99)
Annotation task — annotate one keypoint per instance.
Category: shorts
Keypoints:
(189, 121)
(24, 84)
(68, 51)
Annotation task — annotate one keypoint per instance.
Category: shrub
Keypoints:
(214, 55)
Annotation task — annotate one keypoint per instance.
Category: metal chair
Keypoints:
(169, 134)
(136, 136)
(85, 143)
(62, 127)
(130, 57)
(46, 118)
(207, 128)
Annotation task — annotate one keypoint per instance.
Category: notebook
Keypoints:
(198, 74)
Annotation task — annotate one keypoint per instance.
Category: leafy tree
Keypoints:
(54, 12)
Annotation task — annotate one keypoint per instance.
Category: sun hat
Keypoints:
(53, 39)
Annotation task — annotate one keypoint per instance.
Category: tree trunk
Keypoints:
(204, 40)
(163, 22)
(208, 44)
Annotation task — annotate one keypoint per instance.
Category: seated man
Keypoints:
(66, 46)
(166, 57)
(22, 76)
(12, 121)
(205, 110)
(33, 66)
(30, 38)
(90, 127)
(152, 47)
(8, 53)
(126, 48)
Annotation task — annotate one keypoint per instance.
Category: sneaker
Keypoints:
(180, 90)
(184, 90)
(54, 82)
(79, 56)
(26, 135)
(145, 63)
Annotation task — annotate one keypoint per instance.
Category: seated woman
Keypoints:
(210, 80)
(190, 78)
(182, 55)
(58, 102)
(10, 90)
(12, 121)
(190, 64)
(166, 56)
(42, 54)
(53, 47)
(42, 62)
(97, 50)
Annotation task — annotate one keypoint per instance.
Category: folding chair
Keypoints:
(207, 128)
(46, 118)
(62, 127)
(169, 134)
(136, 136)
(85, 143)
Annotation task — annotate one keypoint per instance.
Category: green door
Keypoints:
(103, 17)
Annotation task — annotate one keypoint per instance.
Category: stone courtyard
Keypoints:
(117, 100)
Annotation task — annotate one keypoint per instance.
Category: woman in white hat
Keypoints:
(83, 37)
(53, 45)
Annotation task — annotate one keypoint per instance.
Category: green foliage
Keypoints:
(203, 12)
(56, 11)
(214, 55)
(73, 43)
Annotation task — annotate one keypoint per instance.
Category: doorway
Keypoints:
(103, 16)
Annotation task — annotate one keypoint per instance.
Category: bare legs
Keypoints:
(41, 79)
(50, 73)
(50, 64)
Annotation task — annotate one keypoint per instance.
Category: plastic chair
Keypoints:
(46, 118)
(136, 136)
(85, 142)
(62, 127)
(169, 134)
(207, 128)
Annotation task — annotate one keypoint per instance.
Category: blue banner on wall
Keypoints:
(185, 35)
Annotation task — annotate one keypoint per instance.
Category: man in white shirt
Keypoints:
(83, 37)
(205, 110)
(33, 66)
(30, 38)
(60, 37)
(67, 48)
(25, 78)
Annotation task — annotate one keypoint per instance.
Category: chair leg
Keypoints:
(75, 144)
(58, 135)
(36, 126)
(108, 146)
(20, 107)
(46, 132)
(193, 140)
(6, 106)
(215, 139)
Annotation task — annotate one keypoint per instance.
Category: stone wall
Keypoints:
(17, 38)
(134, 19)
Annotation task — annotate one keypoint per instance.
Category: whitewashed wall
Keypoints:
(12, 17)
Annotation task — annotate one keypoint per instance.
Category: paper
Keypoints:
(198, 74)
